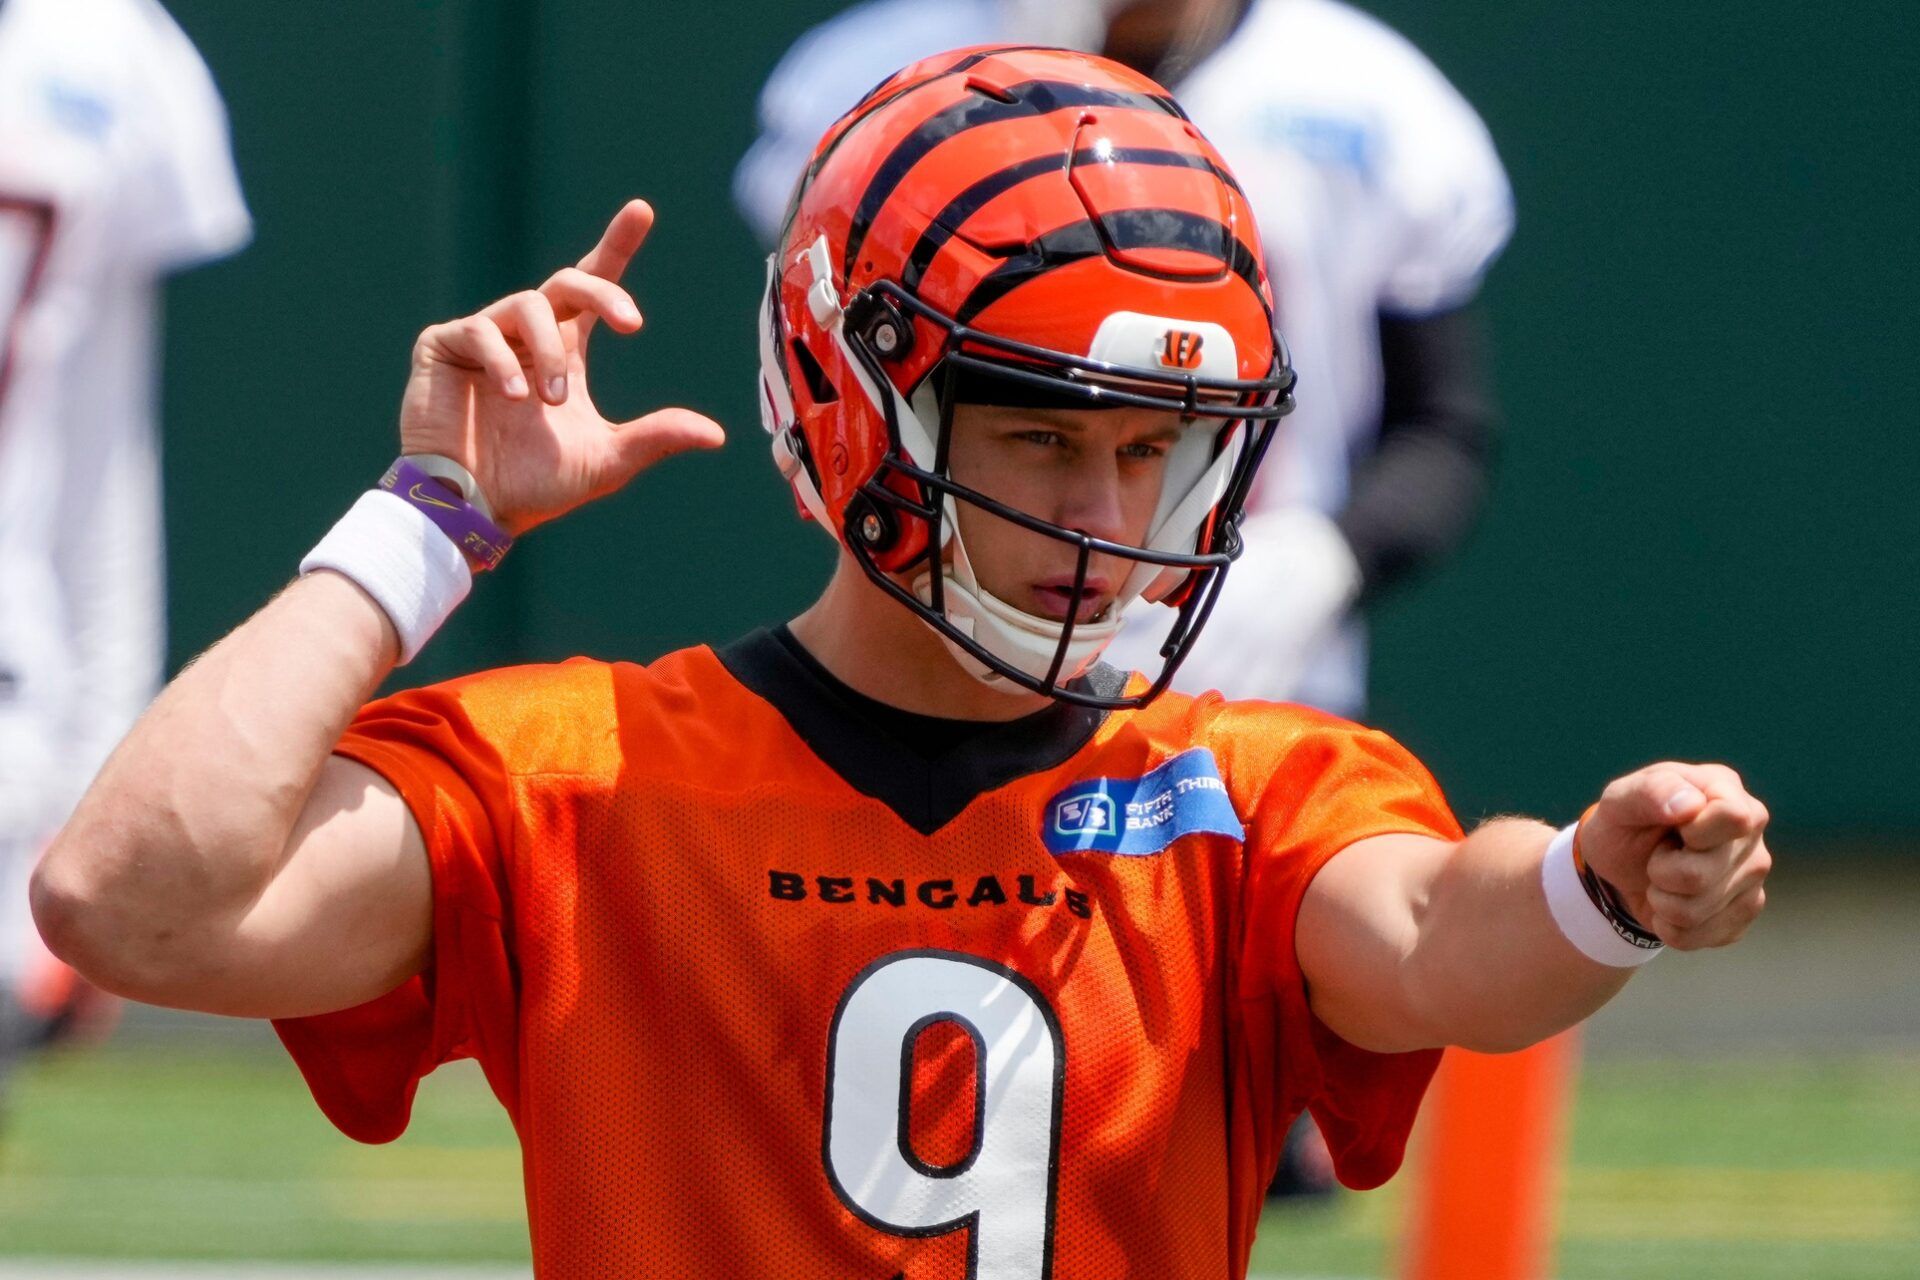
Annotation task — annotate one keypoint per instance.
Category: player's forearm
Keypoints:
(1489, 969)
(190, 817)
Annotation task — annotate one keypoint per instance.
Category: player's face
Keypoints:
(1095, 470)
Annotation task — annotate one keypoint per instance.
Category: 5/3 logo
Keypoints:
(1002, 1191)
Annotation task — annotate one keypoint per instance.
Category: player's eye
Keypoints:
(1143, 449)
(1048, 439)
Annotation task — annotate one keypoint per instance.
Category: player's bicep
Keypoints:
(1356, 940)
(349, 915)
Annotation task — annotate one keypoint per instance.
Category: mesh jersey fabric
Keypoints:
(657, 911)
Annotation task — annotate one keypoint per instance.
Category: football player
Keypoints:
(906, 939)
(1381, 203)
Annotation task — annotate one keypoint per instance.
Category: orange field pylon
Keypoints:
(1487, 1164)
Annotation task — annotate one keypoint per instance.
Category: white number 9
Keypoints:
(1002, 1191)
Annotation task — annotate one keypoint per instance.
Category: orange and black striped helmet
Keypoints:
(1050, 224)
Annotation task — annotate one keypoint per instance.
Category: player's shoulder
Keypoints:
(1249, 738)
(1294, 765)
(1213, 713)
(583, 716)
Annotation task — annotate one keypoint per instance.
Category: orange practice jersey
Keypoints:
(769, 994)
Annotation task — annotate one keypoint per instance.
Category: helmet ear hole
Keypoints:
(887, 332)
(819, 386)
(872, 524)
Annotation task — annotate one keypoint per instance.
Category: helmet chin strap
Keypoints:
(1024, 641)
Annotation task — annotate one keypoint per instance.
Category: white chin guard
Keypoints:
(1023, 641)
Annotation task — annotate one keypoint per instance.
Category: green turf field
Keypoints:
(1694, 1170)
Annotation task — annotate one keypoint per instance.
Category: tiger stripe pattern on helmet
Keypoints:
(970, 201)
(991, 124)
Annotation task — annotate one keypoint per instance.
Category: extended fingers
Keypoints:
(620, 241)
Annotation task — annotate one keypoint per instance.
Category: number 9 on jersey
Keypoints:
(1002, 1190)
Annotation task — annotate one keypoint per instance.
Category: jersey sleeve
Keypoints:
(1333, 785)
(1454, 204)
(364, 1064)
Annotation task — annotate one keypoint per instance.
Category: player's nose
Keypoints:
(1092, 500)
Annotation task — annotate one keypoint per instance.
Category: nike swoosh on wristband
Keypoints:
(418, 496)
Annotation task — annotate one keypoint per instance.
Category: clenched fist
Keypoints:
(504, 391)
(1685, 846)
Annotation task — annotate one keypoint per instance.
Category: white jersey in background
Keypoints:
(1377, 189)
(115, 169)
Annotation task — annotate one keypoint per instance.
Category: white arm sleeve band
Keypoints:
(1579, 919)
(400, 558)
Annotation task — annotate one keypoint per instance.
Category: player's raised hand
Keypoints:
(1685, 844)
(504, 391)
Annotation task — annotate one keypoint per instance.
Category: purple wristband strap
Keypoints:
(480, 540)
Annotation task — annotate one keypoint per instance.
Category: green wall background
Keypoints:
(1703, 540)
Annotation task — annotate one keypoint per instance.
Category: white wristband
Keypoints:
(400, 558)
(1579, 919)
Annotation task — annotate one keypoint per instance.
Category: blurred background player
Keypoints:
(115, 169)
(1381, 204)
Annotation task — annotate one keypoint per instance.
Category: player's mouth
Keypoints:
(1054, 599)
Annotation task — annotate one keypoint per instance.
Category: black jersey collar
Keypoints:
(927, 781)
